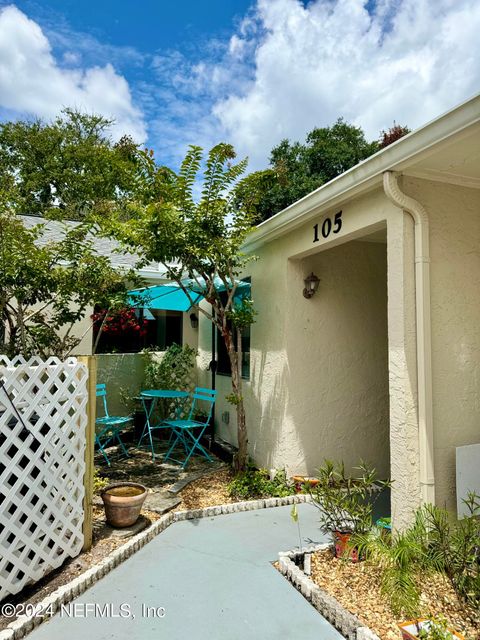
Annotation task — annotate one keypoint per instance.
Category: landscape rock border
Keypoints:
(295, 566)
(68, 592)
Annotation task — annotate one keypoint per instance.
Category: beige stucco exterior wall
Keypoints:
(454, 214)
(306, 397)
(123, 374)
(319, 368)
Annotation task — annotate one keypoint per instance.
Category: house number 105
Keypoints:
(327, 226)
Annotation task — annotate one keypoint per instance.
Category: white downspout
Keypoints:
(424, 332)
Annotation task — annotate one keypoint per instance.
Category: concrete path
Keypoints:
(213, 578)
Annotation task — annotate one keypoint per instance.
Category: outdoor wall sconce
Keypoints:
(311, 285)
(194, 320)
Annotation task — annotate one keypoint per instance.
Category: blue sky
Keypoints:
(248, 72)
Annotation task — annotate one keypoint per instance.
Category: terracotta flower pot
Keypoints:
(300, 481)
(410, 629)
(341, 541)
(123, 502)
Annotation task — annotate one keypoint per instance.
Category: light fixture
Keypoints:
(194, 320)
(311, 285)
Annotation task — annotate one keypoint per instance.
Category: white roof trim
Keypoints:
(368, 174)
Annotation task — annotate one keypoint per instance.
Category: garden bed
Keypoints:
(348, 594)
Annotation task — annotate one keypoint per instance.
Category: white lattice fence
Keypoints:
(43, 415)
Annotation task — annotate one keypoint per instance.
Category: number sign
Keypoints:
(328, 226)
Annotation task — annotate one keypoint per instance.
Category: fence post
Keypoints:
(91, 364)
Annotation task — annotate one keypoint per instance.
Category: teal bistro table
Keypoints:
(149, 400)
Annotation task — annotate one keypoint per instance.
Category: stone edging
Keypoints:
(348, 624)
(66, 593)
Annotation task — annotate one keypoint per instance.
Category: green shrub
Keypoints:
(345, 501)
(256, 483)
(99, 483)
(434, 542)
(175, 370)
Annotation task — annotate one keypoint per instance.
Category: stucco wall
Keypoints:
(319, 368)
(454, 214)
(123, 373)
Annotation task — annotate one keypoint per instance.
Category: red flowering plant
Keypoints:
(118, 322)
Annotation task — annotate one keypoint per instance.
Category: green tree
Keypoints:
(46, 288)
(68, 169)
(199, 242)
(297, 169)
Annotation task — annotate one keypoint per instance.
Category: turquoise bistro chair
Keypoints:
(189, 432)
(109, 427)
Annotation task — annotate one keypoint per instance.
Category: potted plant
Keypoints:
(123, 502)
(345, 502)
(303, 482)
(428, 629)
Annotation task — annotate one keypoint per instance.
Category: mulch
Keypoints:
(357, 587)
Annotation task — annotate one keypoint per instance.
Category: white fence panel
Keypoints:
(43, 415)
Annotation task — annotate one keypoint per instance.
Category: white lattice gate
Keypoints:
(43, 415)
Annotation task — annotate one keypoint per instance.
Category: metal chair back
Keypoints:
(101, 392)
(205, 396)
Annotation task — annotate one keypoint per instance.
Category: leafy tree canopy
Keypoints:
(199, 241)
(68, 169)
(296, 169)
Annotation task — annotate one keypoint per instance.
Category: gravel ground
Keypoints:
(207, 491)
(356, 587)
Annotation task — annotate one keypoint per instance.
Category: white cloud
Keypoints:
(408, 61)
(33, 83)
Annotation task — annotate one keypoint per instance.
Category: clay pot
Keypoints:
(123, 502)
(411, 629)
(341, 541)
(301, 481)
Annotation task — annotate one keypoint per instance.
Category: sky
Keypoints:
(246, 72)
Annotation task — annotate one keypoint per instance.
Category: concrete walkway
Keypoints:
(214, 579)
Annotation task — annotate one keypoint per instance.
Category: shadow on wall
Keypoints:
(337, 349)
(123, 373)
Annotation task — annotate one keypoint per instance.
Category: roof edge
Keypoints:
(368, 173)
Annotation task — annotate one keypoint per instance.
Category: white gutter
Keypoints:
(368, 174)
(424, 332)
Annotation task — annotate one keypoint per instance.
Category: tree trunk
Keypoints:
(240, 460)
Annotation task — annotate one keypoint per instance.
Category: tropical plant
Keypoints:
(434, 543)
(435, 629)
(199, 243)
(175, 369)
(257, 483)
(346, 501)
(400, 557)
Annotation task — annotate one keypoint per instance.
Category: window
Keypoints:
(223, 361)
(134, 330)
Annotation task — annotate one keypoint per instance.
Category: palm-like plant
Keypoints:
(432, 544)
